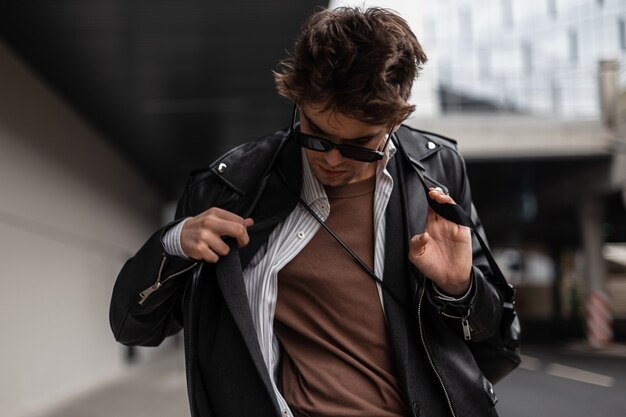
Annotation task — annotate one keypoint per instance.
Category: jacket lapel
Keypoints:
(229, 278)
(273, 206)
(276, 201)
(400, 322)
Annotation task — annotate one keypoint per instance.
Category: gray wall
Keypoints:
(71, 211)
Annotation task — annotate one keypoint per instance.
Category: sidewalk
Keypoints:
(158, 389)
(613, 350)
(154, 390)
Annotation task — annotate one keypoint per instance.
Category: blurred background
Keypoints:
(106, 105)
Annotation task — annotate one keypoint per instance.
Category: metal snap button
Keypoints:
(221, 168)
(416, 409)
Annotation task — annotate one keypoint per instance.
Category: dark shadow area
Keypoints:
(171, 84)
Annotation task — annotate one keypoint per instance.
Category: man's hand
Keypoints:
(201, 237)
(444, 251)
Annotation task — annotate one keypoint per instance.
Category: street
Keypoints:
(553, 381)
(562, 381)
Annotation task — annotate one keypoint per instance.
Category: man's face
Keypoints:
(332, 168)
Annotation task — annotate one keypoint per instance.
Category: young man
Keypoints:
(279, 318)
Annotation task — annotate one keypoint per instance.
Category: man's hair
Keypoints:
(360, 63)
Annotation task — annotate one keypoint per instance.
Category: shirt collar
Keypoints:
(311, 188)
(390, 151)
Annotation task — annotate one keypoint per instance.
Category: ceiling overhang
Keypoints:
(171, 84)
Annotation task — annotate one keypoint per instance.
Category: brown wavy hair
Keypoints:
(361, 63)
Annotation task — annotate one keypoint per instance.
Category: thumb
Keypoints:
(418, 244)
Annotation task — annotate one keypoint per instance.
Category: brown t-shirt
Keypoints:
(329, 320)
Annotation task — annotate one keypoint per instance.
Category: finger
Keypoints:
(209, 256)
(248, 222)
(224, 215)
(217, 245)
(235, 230)
(202, 251)
(439, 196)
(226, 223)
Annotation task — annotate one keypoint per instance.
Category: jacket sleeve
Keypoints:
(478, 315)
(147, 300)
(146, 304)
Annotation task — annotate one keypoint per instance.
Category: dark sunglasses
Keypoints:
(357, 153)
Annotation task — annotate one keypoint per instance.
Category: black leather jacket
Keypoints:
(157, 295)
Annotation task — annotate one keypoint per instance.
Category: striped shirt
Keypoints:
(283, 244)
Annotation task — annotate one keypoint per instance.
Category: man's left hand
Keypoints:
(444, 251)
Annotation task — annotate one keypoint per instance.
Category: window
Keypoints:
(484, 63)
(527, 58)
(552, 11)
(507, 13)
(622, 34)
(431, 31)
(555, 96)
(465, 24)
(573, 46)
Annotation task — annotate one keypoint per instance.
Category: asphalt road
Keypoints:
(553, 381)
(565, 381)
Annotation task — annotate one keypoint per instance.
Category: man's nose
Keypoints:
(333, 157)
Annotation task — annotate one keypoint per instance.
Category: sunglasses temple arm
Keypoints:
(388, 138)
(292, 126)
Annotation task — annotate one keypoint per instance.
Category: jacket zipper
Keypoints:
(145, 294)
(426, 349)
(465, 324)
(467, 331)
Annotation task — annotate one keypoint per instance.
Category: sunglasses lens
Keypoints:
(312, 143)
(322, 145)
(363, 155)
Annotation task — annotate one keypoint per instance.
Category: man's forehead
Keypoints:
(335, 124)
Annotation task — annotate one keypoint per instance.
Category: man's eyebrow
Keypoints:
(321, 131)
(313, 125)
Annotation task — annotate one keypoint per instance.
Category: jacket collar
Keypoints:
(260, 158)
(244, 179)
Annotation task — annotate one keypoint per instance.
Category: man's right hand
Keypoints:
(201, 237)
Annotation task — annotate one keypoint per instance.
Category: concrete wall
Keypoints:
(71, 211)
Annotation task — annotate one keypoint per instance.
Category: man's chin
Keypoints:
(333, 182)
(330, 179)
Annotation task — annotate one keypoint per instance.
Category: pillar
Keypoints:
(599, 320)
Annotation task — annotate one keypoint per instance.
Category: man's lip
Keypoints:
(330, 171)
